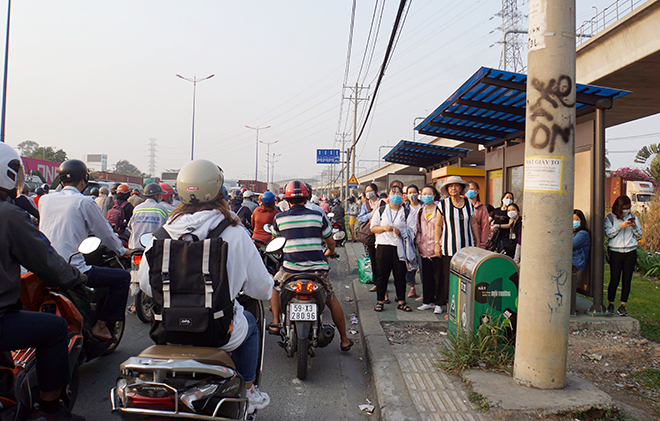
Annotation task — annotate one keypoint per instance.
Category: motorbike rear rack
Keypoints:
(161, 366)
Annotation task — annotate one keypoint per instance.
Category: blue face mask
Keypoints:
(471, 194)
(426, 199)
(576, 225)
(396, 199)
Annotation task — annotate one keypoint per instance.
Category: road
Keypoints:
(336, 384)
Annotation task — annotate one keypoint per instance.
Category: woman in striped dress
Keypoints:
(457, 228)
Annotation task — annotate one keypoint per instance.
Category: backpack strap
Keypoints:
(208, 285)
(217, 231)
(161, 234)
(165, 272)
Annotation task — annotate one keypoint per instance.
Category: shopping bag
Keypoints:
(364, 268)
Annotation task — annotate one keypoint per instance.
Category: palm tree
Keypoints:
(644, 154)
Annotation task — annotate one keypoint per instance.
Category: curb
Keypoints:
(393, 400)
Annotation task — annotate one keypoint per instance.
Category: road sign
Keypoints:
(353, 182)
(328, 156)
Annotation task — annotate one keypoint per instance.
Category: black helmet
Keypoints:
(94, 192)
(46, 187)
(73, 170)
(113, 188)
(152, 189)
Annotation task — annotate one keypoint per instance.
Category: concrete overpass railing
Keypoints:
(606, 17)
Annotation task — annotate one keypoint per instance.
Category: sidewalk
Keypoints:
(410, 386)
(407, 381)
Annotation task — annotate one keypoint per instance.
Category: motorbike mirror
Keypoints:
(275, 244)
(267, 228)
(145, 240)
(331, 215)
(89, 245)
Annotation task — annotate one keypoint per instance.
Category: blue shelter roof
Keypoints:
(423, 155)
(490, 108)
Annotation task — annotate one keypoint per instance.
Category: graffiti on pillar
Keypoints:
(558, 280)
(551, 95)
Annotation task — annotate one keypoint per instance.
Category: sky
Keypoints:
(100, 77)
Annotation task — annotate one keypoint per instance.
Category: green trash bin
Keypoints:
(483, 286)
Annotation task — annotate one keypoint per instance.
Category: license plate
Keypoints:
(302, 312)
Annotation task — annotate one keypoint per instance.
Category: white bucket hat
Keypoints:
(454, 179)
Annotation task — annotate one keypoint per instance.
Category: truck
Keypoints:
(640, 192)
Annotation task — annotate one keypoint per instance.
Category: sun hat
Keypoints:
(454, 179)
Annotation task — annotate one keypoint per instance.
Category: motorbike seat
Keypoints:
(179, 352)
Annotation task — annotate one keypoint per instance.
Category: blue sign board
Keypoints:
(328, 156)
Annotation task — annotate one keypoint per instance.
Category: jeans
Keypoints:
(246, 356)
(410, 275)
(118, 281)
(621, 264)
(47, 333)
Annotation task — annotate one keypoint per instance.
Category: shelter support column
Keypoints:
(598, 211)
(545, 275)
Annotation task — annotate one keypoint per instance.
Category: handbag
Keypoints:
(363, 233)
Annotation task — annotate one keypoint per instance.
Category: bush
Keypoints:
(650, 221)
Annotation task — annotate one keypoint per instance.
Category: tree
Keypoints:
(126, 168)
(27, 147)
(49, 154)
(644, 154)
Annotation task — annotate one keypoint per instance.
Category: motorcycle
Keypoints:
(143, 303)
(169, 382)
(18, 375)
(338, 231)
(271, 252)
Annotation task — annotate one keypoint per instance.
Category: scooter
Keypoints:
(271, 252)
(18, 375)
(143, 303)
(338, 231)
(168, 382)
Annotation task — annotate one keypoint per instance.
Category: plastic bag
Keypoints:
(364, 268)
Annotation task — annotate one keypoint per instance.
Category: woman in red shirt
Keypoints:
(262, 215)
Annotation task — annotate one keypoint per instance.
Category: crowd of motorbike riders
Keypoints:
(41, 233)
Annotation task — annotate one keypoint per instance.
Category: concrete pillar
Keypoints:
(545, 276)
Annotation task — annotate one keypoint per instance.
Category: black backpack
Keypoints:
(190, 289)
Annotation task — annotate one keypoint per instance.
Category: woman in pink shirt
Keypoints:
(480, 213)
(432, 278)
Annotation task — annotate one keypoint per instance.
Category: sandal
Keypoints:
(347, 347)
(273, 328)
(379, 307)
(404, 307)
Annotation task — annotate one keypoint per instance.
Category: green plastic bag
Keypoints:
(364, 268)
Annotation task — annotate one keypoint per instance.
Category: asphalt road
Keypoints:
(337, 382)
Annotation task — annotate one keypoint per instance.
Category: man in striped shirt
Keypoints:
(305, 230)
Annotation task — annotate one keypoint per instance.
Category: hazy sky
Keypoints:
(99, 76)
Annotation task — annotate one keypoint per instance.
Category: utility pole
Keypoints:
(342, 161)
(545, 274)
(268, 157)
(512, 21)
(152, 157)
(256, 150)
(351, 159)
(4, 79)
(272, 171)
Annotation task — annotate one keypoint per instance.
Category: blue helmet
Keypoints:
(268, 198)
(225, 194)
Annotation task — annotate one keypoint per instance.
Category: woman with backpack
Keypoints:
(366, 211)
(203, 209)
(432, 277)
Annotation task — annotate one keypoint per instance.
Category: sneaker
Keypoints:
(610, 308)
(425, 307)
(257, 399)
(62, 414)
(622, 310)
(438, 310)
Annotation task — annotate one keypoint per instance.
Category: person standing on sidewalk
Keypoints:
(457, 228)
(387, 223)
(413, 204)
(480, 213)
(353, 212)
(432, 276)
(623, 230)
(366, 211)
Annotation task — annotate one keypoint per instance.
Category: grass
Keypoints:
(597, 414)
(479, 400)
(642, 303)
(647, 377)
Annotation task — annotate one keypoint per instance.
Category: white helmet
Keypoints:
(12, 174)
(315, 199)
(199, 181)
(248, 193)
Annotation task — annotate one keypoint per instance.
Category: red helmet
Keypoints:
(167, 191)
(296, 189)
(123, 188)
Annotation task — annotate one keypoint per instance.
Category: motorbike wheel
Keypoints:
(303, 352)
(117, 333)
(74, 387)
(144, 307)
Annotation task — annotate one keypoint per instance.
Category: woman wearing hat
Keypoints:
(457, 228)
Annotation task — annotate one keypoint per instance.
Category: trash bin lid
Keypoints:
(467, 260)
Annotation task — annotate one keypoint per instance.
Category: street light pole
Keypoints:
(194, 81)
(4, 82)
(256, 150)
(268, 155)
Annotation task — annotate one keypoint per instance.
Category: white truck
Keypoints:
(640, 194)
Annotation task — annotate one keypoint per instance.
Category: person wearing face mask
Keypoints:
(511, 242)
(366, 212)
(480, 213)
(581, 248)
(391, 223)
(500, 221)
(413, 205)
(431, 267)
(623, 230)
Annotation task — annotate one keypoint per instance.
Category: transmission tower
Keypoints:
(513, 41)
(152, 157)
